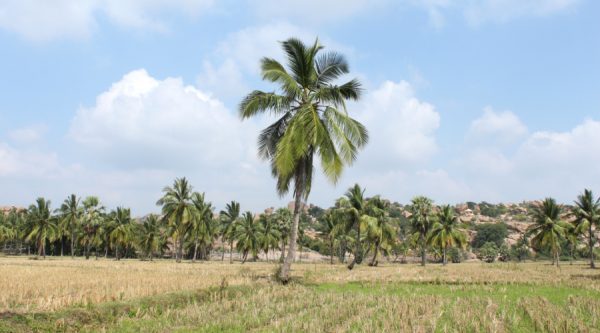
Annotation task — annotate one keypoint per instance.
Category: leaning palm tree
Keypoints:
(587, 213)
(548, 229)
(229, 218)
(43, 226)
(202, 229)
(380, 233)
(445, 232)
(247, 236)
(421, 209)
(312, 121)
(70, 217)
(177, 211)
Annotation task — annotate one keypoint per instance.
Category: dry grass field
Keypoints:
(162, 296)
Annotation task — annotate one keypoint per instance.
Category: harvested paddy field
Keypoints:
(162, 296)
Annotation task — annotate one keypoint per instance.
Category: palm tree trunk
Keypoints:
(444, 259)
(73, 243)
(357, 252)
(291, 255)
(195, 250)
(231, 252)
(179, 249)
(222, 249)
(331, 249)
(282, 250)
(423, 259)
(374, 260)
(117, 253)
(62, 245)
(591, 245)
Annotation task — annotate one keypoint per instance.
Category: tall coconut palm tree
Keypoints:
(202, 228)
(421, 209)
(177, 209)
(380, 232)
(548, 229)
(445, 233)
(122, 234)
(587, 214)
(229, 218)
(149, 236)
(70, 217)
(312, 121)
(247, 235)
(43, 226)
(355, 204)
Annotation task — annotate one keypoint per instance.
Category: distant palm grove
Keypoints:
(355, 229)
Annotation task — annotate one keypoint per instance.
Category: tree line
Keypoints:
(356, 227)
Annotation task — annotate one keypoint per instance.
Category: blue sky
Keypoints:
(466, 100)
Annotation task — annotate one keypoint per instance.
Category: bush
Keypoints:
(456, 255)
(519, 252)
(503, 253)
(488, 252)
(490, 232)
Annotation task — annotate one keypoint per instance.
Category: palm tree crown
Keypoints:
(587, 216)
(548, 229)
(177, 209)
(445, 232)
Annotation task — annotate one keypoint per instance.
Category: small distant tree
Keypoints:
(488, 252)
(519, 251)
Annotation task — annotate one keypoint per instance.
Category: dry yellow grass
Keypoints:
(47, 285)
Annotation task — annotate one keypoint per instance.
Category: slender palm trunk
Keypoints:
(62, 245)
(374, 260)
(281, 258)
(423, 259)
(291, 255)
(357, 252)
(444, 258)
(231, 252)
(591, 246)
(331, 249)
(73, 243)
(117, 253)
(244, 257)
(222, 249)
(195, 250)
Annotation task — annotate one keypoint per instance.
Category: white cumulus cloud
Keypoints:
(497, 127)
(402, 127)
(42, 20)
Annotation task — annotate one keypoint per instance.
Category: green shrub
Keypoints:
(488, 252)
